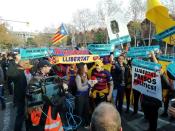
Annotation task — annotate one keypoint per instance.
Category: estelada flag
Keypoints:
(59, 35)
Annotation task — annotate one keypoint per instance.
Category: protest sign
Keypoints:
(118, 22)
(158, 14)
(169, 58)
(117, 52)
(146, 48)
(171, 70)
(101, 47)
(166, 33)
(146, 64)
(60, 52)
(142, 51)
(100, 53)
(33, 53)
(74, 59)
(147, 82)
(120, 40)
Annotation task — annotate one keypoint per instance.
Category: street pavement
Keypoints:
(138, 123)
(129, 122)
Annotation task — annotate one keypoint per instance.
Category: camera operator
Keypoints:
(41, 116)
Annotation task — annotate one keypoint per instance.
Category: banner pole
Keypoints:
(166, 48)
(149, 33)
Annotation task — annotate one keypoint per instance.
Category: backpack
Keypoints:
(12, 70)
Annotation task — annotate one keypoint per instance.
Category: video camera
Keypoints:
(47, 90)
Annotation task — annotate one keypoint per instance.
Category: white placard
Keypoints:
(147, 82)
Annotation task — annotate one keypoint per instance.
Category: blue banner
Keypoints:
(166, 33)
(142, 51)
(146, 48)
(100, 53)
(146, 64)
(171, 69)
(121, 40)
(102, 47)
(34, 53)
(141, 54)
(117, 52)
(168, 58)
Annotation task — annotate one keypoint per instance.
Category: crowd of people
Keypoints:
(106, 80)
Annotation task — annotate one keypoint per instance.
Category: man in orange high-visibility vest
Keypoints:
(50, 124)
(43, 116)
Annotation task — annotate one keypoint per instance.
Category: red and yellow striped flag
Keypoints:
(59, 35)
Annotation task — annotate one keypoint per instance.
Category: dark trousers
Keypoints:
(151, 113)
(20, 115)
(128, 94)
(10, 86)
(170, 95)
(2, 96)
(166, 104)
(120, 96)
(136, 100)
(82, 109)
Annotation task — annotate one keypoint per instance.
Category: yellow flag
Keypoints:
(158, 14)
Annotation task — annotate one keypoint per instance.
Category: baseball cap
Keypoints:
(43, 63)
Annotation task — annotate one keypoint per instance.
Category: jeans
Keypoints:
(127, 94)
(1, 97)
(120, 96)
(114, 95)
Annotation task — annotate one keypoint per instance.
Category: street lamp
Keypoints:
(15, 21)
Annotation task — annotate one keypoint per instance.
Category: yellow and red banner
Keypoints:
(74, 59)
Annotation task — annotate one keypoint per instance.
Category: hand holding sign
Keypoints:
(18, 58)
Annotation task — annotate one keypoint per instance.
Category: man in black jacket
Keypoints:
(10, 60)
(16, 73)
(122, 73)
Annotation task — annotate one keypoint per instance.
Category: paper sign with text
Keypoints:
(147, 82)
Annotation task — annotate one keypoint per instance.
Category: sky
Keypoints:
(41, 13)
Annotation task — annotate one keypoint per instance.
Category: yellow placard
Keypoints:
(74, 59)
(164, 65)
(159, 15)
